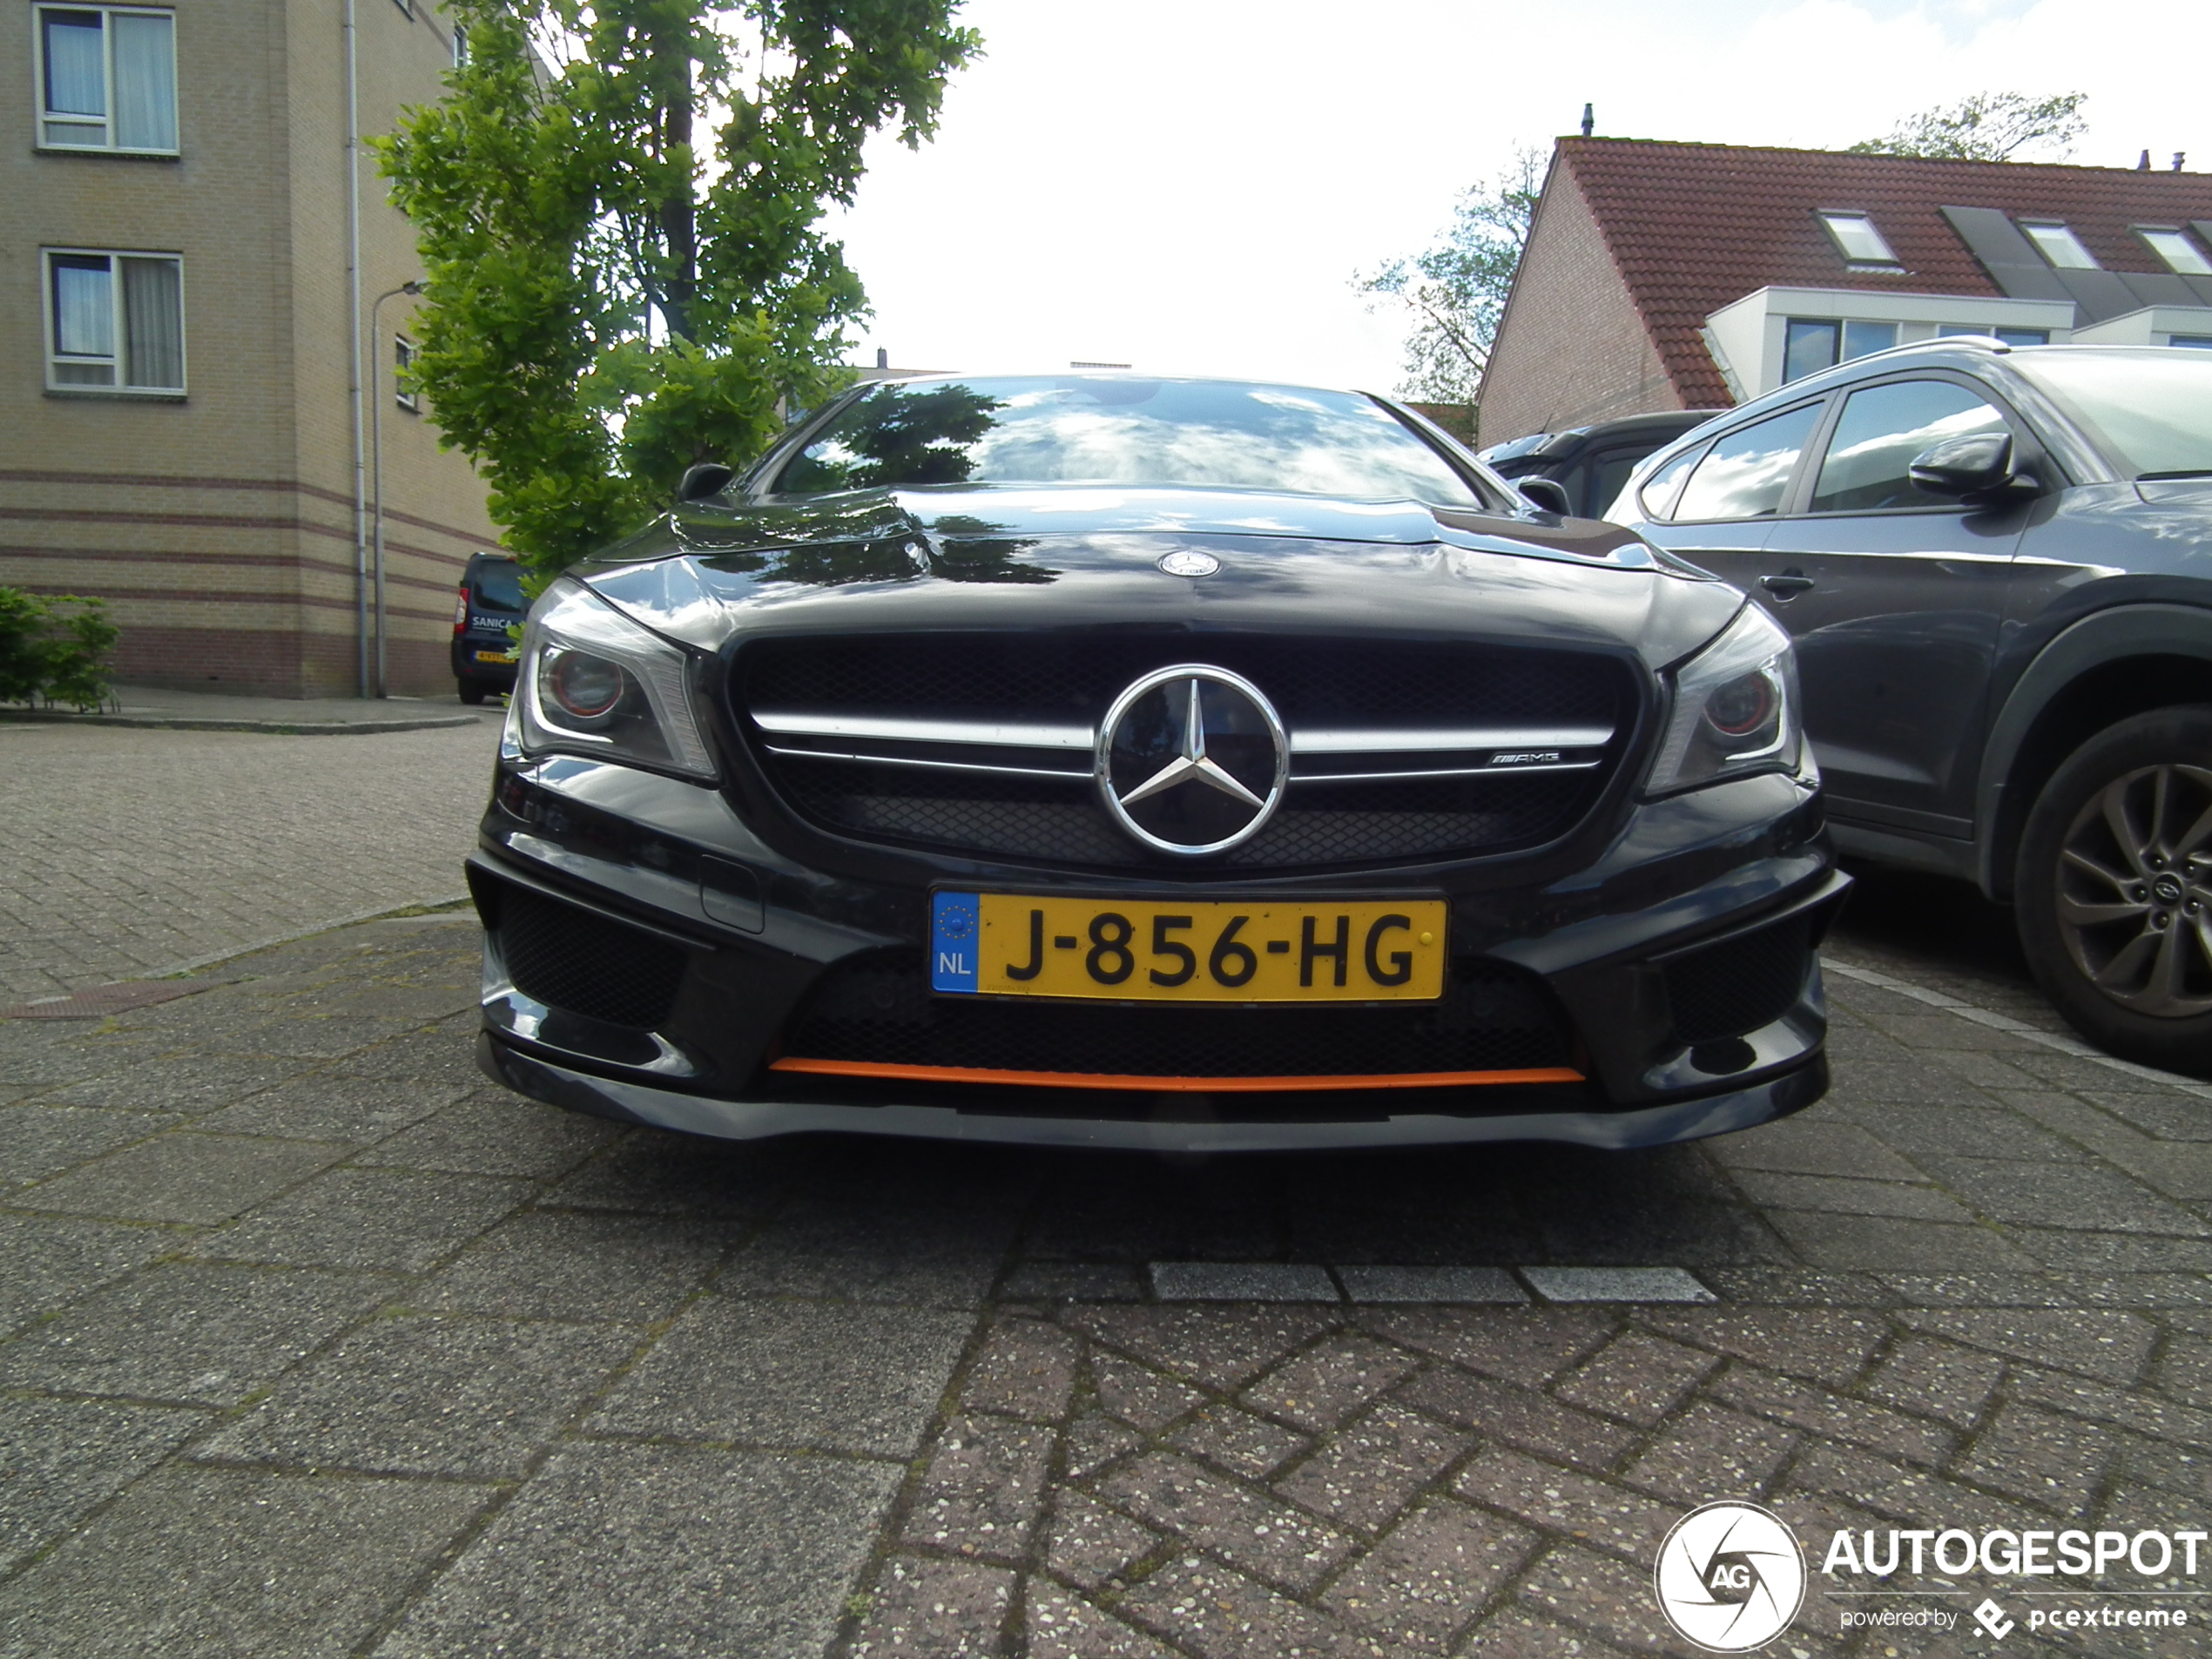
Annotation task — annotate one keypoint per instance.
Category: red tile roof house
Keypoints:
(1679, 276)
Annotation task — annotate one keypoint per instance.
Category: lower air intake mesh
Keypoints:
(879, 1009)
(1741, 984)
(577, 960)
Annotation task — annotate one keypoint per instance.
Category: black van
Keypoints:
(490, 602)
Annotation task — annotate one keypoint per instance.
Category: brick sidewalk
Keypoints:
(132, 853)
(323, 1346)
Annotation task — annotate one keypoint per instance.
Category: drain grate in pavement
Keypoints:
(103, 1000)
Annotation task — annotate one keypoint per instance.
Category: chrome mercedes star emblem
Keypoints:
(1188, 562)
(1192, 759)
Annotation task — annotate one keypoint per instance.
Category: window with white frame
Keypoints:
(107, 79)
(2182, 256)
(1858, 240)
(403, 364)
(2058, 244)
(115, 322)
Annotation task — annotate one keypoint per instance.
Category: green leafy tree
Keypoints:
(618, 207)
(1455, 292)
(1989, 126)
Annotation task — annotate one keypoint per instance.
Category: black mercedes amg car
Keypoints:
(1175, 763)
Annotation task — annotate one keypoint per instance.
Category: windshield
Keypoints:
(499, 585)
(2152, 410)
(1099, 430)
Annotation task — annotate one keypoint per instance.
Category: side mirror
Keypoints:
(708, 478)
(1546, 493)
(1975, 463)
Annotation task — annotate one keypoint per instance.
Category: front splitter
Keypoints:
(732, 1119)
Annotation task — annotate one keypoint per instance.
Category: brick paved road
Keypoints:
(130, 853)
(322, 1347)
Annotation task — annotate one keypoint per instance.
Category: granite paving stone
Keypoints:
(682, 1175)
(1246, 1529)
(1873, 1242)
(2106, 1344)
(852, 1378)
(1238, 1441)
(940, 1257)
(37, 1141)
(1431, 1284)
(182, 1177)
(1426, 1581)
(1059, 1625)
(473, 1398)
(1092, 1546)
(1242, 1282)
(1519, 1417)
(935, 1609)
(1529, 1346)
(52, 1260)
(982, 1490)
(385, 1220)
(1219, 1348)
(1092, 1442)
(1027, 1369)
(1833, 1416)
(492, 1132)
(1709, 1452)
(234, 1564)
(185, 1331)
(59, 1458)
(555, 1264)
(327, 1106)
(2093, 1200)
(2052, 1461)
(1366, 1472)
(1936, 1378)
(1217, 1613)
(1326, 1383)
(1142, 1398)
(1560, 1501)
(615, 1551)
(1637, 1376)
(1824, 1346)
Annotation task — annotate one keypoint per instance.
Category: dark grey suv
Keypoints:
(1996, 565)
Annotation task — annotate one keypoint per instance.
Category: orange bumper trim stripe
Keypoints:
(1173, 1085)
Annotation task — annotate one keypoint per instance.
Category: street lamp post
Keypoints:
(376, 443)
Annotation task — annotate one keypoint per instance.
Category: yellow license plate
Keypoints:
(495, 656)
(1187, 950)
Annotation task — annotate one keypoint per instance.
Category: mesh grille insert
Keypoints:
(1741, 984)
(1314, 683)
(579, 961)
(879, 1009)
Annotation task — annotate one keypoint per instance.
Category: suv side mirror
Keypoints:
(1546, 493)
(708, 478)
(1974, 463)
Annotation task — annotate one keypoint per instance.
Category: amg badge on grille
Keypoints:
(1192, 759)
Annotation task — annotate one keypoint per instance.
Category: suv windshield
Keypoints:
(1097, 429)
(2152, 409)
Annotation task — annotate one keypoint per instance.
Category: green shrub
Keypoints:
(54, 650)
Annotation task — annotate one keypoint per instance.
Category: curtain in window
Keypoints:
(76, 83)
(83, 307)
(146, 82)
(153, 321)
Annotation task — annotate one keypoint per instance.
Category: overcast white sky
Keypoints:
(1189, 186)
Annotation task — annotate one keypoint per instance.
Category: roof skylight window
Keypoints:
(1856, 236)
(2061, 246)
(2182, 256)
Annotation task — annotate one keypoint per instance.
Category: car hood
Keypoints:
(1082, 558)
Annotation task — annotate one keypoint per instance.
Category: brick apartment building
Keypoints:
(178, 412)
(1684, 276)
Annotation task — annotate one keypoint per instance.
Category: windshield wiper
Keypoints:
(2183, 472)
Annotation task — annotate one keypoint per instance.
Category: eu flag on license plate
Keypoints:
(956, 937)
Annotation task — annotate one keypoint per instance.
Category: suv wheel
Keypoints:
(472, 690)
(2115, 889)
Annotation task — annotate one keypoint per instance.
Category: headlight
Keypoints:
(592, 681)
(1736, 709)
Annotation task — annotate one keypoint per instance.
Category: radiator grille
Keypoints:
(879, 1009)
(1070, 681)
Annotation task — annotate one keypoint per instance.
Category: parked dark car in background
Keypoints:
(490, 602)
(1996, 564)
(1591, 464)
(1150, 763)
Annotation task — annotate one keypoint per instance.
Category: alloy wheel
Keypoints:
(2134, 891)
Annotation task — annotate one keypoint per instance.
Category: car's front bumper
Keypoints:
(759, 931)
(1176, 1127)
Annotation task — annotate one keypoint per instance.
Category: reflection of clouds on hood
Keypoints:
(1316, 455)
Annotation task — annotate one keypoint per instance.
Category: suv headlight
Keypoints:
(592, 681)
(1735, 709)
